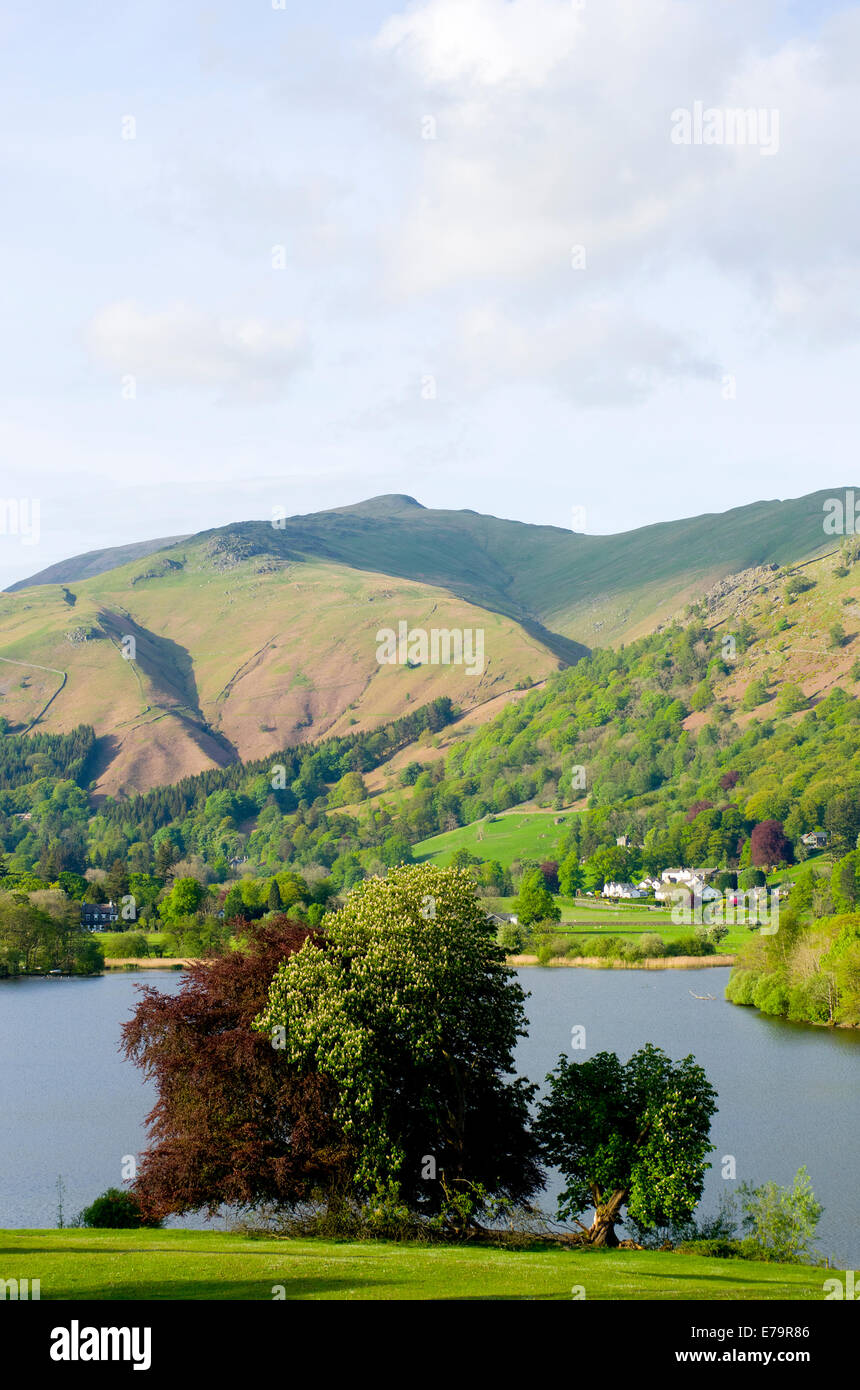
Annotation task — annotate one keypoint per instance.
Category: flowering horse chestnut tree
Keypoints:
(410, 1011)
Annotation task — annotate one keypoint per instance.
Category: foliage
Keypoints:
(413, 1015)
(780, 1222)
(115, 1209)
(234, 1122)
(534, 902)
(633, 1135)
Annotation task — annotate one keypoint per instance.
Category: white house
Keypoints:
(684, 878)
(621, 890)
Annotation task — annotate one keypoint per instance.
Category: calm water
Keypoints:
(789, 1094)
(72, 1107)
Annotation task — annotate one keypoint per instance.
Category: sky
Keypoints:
(270, 255)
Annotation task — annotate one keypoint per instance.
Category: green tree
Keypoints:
(791, 699)
(751, 878)
(534, 902)
(182, 901)
(411, 1012)
(570, 875)
(781, 1222)
(117, 1210)
(755, 694)
(633, 1135)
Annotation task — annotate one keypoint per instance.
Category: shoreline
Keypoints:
(612, 963)
(149, 962)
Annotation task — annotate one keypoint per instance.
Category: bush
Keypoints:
(115, 1209)
(125, 944)
(719, 1248)
(771, 996)
(645, 947)
(689, 946)
(781, 1222)
(742, 986)
(510, 938)
(751, 878)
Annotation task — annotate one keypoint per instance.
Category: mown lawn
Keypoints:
(116, 1265)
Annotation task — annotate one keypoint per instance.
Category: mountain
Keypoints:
(236, 654)
(94, 562)
(595, 590)
(255, 635)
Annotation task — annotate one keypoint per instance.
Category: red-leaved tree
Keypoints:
(233, 1123)
(549, 869)
(768, 845)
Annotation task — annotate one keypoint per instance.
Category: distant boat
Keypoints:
(56, 972)
(703, 996)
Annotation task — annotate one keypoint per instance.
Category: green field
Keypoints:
(107, 939)
(505, 838)
(146, 1264)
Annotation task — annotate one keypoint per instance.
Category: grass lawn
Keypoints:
(531, 835)
(108, 939)
(111, 1265)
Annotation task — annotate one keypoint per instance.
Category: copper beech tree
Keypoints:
(234, 1122)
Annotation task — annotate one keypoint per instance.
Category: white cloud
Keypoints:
(246, 358)
(596, 356)
(481, 41)
(553, 129)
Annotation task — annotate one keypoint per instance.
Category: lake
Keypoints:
(788, 1093)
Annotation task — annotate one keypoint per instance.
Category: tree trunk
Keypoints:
(602, 1229)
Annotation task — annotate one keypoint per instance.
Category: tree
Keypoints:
(534, 902)
(234, 1122)
(842, 817)
(791, 699)
(165, 856)
(412, 1013)
(116, 1209)
(780, 1221)
(703, 696)
(751, 878)
(116, 882)
(549, 870)
(183, 900)
(837, 635)
(755, 694)
(769, 846)
(273, 901)
(633, 1135)
(570, 875)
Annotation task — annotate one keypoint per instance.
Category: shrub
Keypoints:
(771, 995)
(742, 985)
(781, 1222)
(115, 1209)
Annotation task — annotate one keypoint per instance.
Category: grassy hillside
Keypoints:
(144, 1264)
(595, 590)
(236, 657)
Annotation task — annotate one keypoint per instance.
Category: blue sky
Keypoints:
(423, 175)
